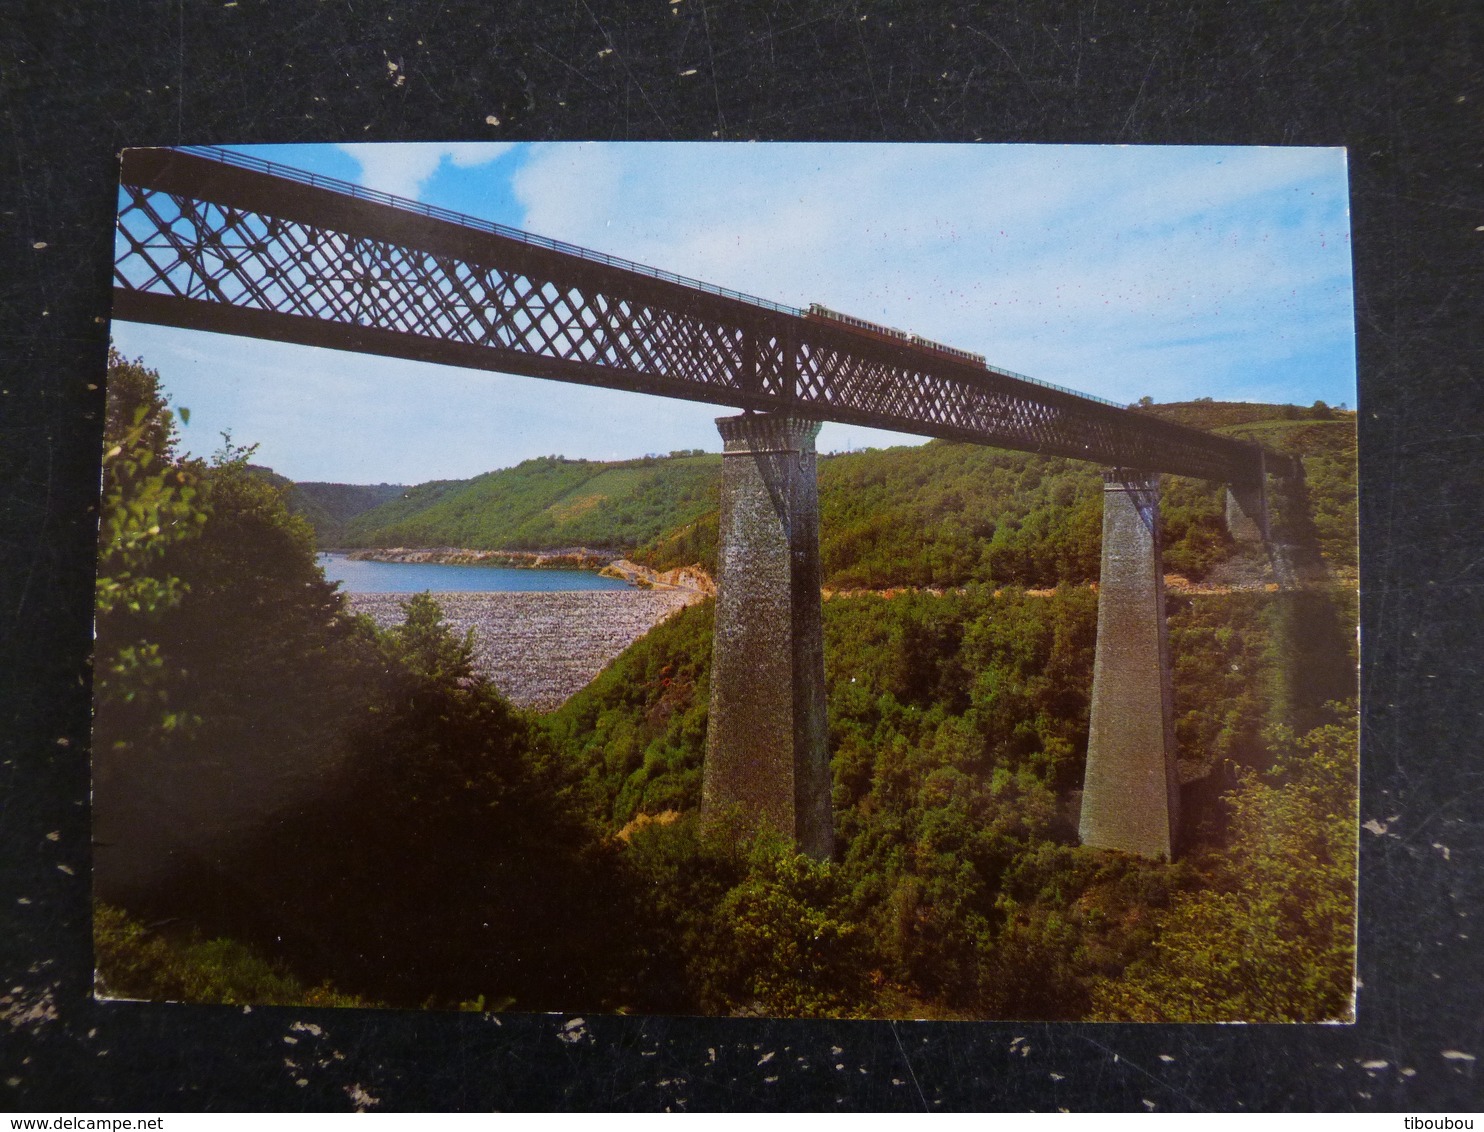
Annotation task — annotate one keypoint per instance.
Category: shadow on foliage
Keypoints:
(444, 859)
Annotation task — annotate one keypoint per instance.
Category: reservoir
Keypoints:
(358, 577)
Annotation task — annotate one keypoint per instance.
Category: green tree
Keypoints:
(451, 855)
(134, 962)
(259, 626)
(782, 941)
(1269, 936)
(426, 649)
(150, 501)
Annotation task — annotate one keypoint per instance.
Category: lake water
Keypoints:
(358, 577)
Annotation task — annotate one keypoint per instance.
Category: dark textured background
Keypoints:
(1399, 83)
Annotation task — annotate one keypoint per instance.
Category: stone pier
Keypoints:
(1247, 513)
(1131, 792)
(766, 743)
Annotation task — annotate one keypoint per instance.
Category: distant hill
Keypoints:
(545, 503)
(1217, 415)
(329, 506)
(941, 514)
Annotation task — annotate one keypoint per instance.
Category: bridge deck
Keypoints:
(214, 241)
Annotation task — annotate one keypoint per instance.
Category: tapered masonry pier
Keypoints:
(1131, 791)
(766, 743)
(1247, 513)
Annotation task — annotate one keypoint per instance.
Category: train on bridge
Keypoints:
(892, 334)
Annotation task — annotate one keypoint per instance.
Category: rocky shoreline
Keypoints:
(681, 578)
(567, 558)
(540, 648)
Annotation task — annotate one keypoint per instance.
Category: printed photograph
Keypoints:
(765, 580)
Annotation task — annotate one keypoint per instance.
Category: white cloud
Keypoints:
(570, 192)
(1088, 266)
(402, 170)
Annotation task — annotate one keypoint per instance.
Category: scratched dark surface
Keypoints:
(1399, 83)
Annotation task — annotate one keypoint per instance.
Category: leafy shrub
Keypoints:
(746, 925)
(1268, 934)
(133, 962)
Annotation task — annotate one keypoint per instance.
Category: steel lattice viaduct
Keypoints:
(212, 240)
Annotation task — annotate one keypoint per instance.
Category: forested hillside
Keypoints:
(947, 514)
(329, 506)
(958, 731)
(547, 503)
(958, 734)
(326, 507)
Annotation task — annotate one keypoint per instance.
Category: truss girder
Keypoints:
(211, 246)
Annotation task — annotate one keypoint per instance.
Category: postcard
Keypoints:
(775, 580)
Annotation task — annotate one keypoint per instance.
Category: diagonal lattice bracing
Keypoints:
(209, 243)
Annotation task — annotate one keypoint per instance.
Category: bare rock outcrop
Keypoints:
(680, 578)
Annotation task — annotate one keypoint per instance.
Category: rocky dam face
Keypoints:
(540, 648)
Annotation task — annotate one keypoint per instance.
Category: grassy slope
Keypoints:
(547, 502)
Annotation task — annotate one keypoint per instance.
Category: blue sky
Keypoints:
(1122, 271)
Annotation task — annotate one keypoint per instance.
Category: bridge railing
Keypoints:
(1052, 385)
(376, 196)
